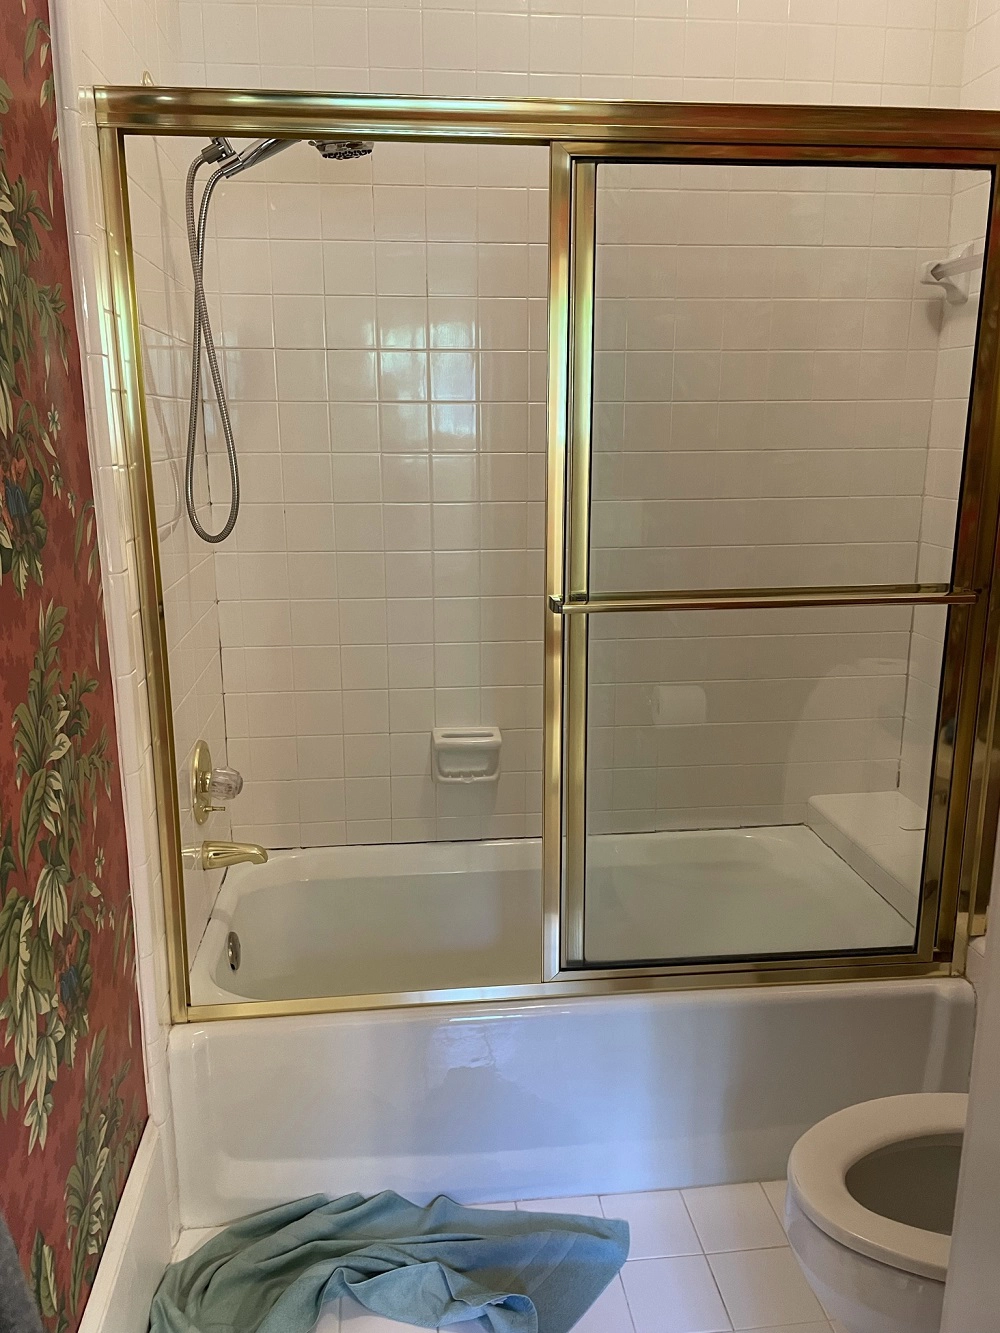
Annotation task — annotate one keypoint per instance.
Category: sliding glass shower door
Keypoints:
(764, 744)
(767, 404)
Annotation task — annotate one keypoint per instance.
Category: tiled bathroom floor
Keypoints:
(701, 1261)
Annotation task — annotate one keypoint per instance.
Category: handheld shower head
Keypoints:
(221, 155)
(232, 163)
(342, 150)
(259, 151)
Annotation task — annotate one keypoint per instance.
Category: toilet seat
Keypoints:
(820, 1160)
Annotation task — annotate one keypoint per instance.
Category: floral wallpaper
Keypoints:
(72, 1099)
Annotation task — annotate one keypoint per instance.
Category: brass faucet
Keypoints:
(216, 855)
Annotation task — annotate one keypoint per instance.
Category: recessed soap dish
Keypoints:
(466, 754)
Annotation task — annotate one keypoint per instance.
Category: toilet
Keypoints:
(869, 1207)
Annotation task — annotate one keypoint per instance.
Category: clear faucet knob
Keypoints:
(226, 784)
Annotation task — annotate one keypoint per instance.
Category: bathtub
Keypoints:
(356, 920)
(535, 1098)
(437, 916)
(548, 1098)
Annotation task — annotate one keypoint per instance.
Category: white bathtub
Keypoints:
(536, 1098)
(434, 916)
(551, 1098)
(357, 920)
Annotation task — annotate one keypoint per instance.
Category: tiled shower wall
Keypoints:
(957, 324)
(387, 360)
(765, 368)
(765, 357)
(387, 572)
(880, 52)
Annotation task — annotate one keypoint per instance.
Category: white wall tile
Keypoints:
(418, 480)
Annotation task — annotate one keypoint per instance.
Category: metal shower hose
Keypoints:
(202, 335)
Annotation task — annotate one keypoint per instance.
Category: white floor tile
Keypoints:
(733, 1217)
(764, 1288)
(587, 1205)
(609, 1313)
(674, 1296)
(496, 1207)
(775, 1191)
(658, 1221)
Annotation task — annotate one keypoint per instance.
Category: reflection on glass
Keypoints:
(757, 782)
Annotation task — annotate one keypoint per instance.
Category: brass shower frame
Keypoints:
(965, 791)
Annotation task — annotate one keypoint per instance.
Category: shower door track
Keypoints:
(965, 784)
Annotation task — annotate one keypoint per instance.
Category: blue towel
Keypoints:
(433, 1266)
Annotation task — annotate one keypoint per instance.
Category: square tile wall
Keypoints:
(767, 368)
(723, 718)
(385, 356)
(957, 325)
(980, 88)
(384, 331)
(893, 52)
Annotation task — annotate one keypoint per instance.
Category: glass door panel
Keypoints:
(757, 781)
(767, 453)
(778, 398)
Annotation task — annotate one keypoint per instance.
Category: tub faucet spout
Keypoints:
(216, 855)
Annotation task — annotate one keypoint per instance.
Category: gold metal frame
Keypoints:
(954, 884)
(581, 134)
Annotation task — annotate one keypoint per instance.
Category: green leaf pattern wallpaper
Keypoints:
(72, 1099)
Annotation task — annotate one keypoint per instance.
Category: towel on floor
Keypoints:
(433, 1266)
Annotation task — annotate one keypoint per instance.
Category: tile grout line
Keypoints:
(628, 1303)
(618, 1276)
(704, 1253)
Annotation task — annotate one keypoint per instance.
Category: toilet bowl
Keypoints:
(871, 1195)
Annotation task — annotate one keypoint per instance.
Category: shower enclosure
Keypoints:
(615, 608)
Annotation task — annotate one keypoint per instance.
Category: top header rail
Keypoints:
(254, 113)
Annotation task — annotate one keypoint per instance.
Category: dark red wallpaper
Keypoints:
(72, 1100)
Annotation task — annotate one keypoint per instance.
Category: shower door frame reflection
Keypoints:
(578, 135)
(953, 844)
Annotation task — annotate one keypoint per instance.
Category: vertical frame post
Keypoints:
(966, 774)
(583, 242)
(130, 404)
(560, 194)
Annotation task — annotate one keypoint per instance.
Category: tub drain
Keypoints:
(233, 950)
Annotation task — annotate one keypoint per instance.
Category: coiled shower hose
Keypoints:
(201, 336)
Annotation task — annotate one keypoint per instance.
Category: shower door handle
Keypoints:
(735, 599)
